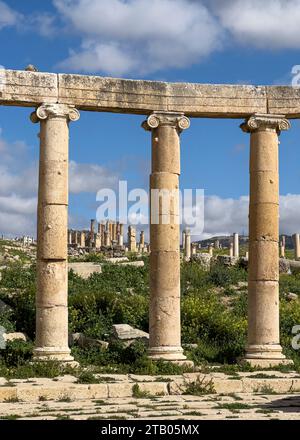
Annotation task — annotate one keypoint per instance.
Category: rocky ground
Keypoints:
(207, 407)
(190, 396)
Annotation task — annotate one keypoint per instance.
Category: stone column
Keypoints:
(231, 250)
(106, 239)
(110, 230)
(282, 249)
(236, 248)
(70, 236)
(211, 250)
(102, 230)
(263, 349)
(75, 237)
(296, 246)
(187, 245)
(194, 249)
(52, 270)
(120, 239)
(82, 239)
(98, 242)
(217, 244)
(114, 231)
(121, 236)
(92, 231)
(131, 239)
(164, 318)
(183, 240)
(142, 240)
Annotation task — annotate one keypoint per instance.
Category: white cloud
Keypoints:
(19, 182)
(42, 23)
(224, 216)
(8, 17)
(16, 204)
(268, 24)
(87, 177)
(120, 36)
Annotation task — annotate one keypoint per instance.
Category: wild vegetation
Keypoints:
(214, 309)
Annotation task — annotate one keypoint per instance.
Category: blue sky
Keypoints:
(179, 40)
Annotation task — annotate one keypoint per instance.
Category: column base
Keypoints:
(172, 354)
(265, 356)
(46, 354)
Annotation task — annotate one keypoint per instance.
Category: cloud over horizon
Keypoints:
(19, 183)
(123, 37)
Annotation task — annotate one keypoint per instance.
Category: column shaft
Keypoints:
(187, 245)
(164, 319)
(52, 271)
(263, 347)
(236, 249)
(296, 246)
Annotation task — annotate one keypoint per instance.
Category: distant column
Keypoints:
(264, 349)
(110, 230)
(231, 250)
(187, 247)
(98, 241)
(52, 270)
(121, 235)
(92, 231)
(131, 239)
(236, 248)
(102, 230)
(75, 237)
(142, 240)
(70, 236)
(114, 231)
(211, 250)
(82, 239)
(183, 240)
(296, 246)
(106, 239)
(194, 251)
(282, 248)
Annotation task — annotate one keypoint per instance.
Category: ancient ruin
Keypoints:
(57, 99)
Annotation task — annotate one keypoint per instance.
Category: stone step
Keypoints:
(49, 389)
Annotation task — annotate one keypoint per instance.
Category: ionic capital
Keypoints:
(266, 122)
(55, 111)
(176, 120)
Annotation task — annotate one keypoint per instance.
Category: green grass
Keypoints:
(63, 417)
(138, 393)
(10, 417)
(199, 387)
(12, 400)
(65, 398)
(265, 389)
(232, 406)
